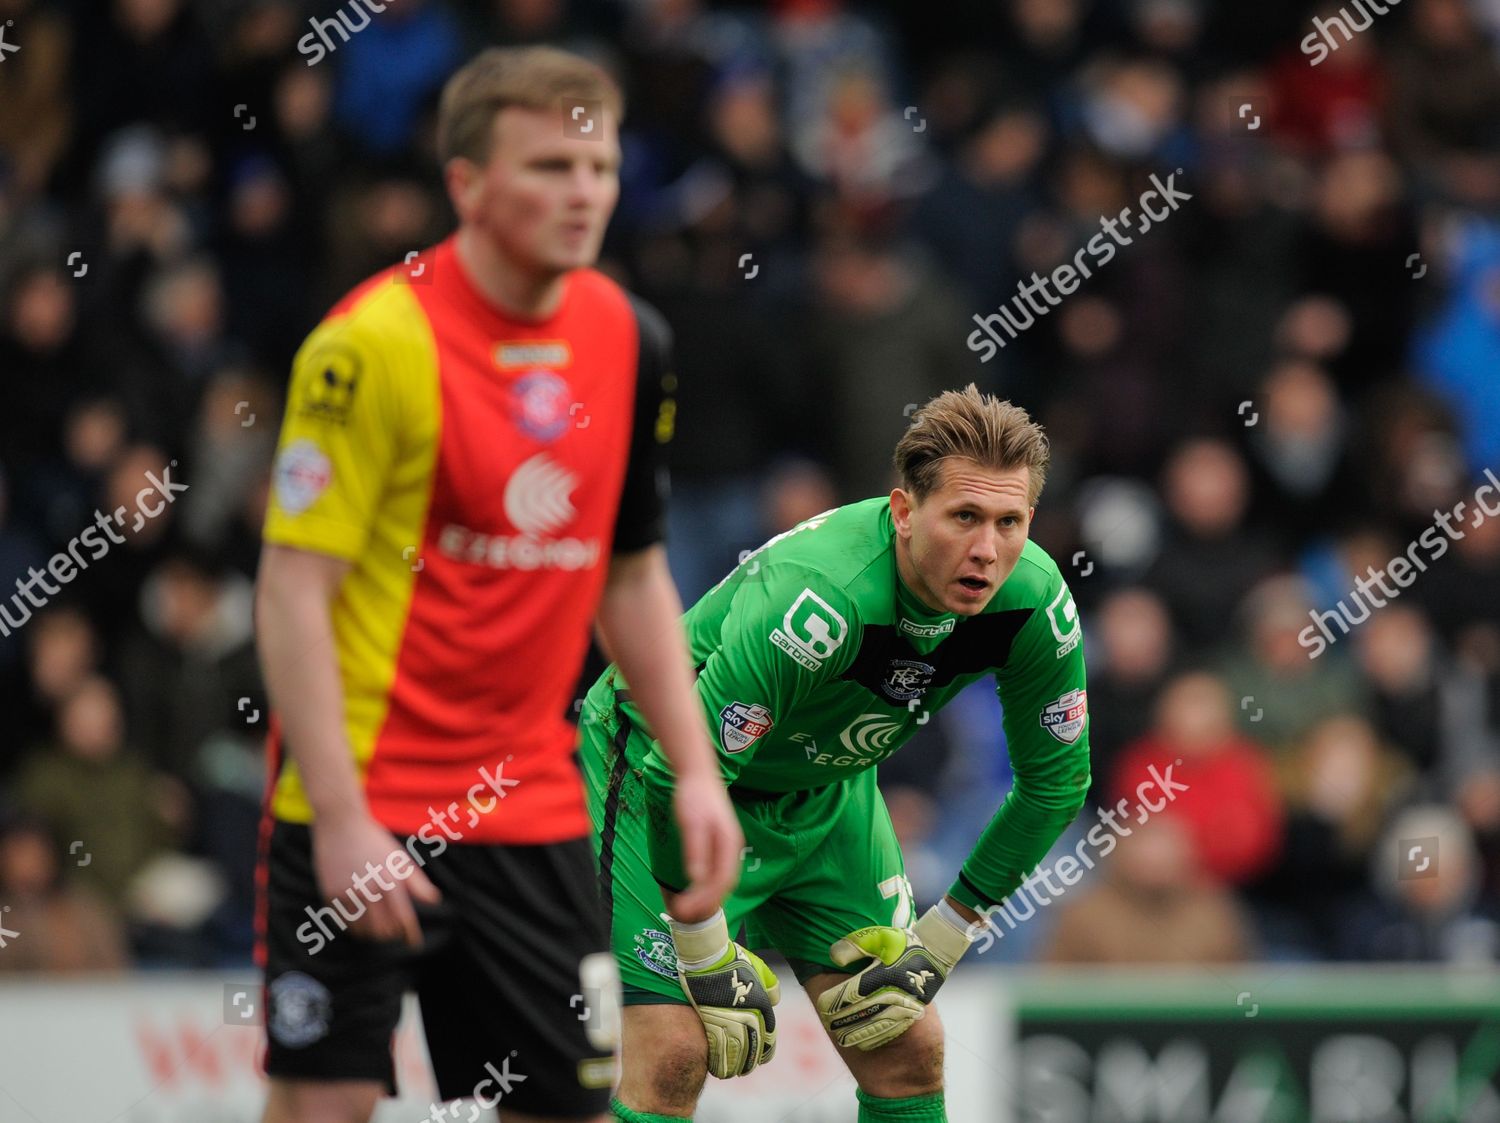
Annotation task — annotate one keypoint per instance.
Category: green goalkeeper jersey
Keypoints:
(815, 662)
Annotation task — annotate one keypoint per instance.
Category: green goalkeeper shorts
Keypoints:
(817, 865)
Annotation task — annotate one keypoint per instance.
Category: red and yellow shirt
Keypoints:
(478, 471)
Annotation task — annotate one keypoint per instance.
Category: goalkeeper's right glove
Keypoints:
(733, 991)
(881, 1002)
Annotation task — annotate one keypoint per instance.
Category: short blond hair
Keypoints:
(979, 427)
(526, 77)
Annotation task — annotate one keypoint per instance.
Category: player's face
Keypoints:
(544, 197)
(963, 540)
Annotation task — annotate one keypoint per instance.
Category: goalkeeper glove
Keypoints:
(733, 991)
(879, 1004)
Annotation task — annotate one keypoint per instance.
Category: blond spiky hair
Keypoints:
(979, 427)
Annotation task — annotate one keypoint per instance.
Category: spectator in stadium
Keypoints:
(772, 195)
(36, 116)
(1444, 101)
(838, 78)
(388, 217)
(62, 652)
(311, 153)
(62, 929)
(860, 146)
(736, 398)
(49, 361)
(1426, 871)
(187, 668)
(1461, 590)
(1149, 903)
(1339, 784)
(881, 339)
(1314, 328)
(269, 274)
(1043, 44)
(90, 787)
(1207, 494)
(1332, 106)
(1129, 661)
(118, 581)
(1331, 567)
(1304, 483)
(19, 551)
(228, 455)
(1478, 801)
(971, 216)
(1360, 223)
(1132, 109)
(63, 492)
(186, 340)
(795, 491)
(1452, 352)
(1398, 655)
(390, 72)
(144, 60)
(1282, 692)
(1469, 771)
(1118, 403)
(1230, 805)
(1241, 248)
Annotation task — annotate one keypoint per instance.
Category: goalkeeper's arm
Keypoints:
(1045, 703)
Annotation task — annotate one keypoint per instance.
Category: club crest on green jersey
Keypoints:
(655, 951)
(906, 679)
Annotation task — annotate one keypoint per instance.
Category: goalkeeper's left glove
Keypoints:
(879, 1004)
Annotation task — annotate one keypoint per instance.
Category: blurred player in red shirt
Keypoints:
(468, 477)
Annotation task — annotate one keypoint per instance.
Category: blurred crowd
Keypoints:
(1273, 389)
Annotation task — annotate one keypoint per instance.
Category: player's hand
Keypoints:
(348, 848)
(879, 1004)
(711, 844)
(733, 991)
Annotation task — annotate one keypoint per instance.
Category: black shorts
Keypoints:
(500, 976)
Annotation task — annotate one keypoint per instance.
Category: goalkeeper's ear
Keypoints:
(903, 503)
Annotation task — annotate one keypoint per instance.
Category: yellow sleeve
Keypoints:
(340, 438)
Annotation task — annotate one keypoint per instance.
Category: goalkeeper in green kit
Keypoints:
(814, 657)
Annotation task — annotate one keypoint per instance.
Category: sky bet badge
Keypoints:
(740, 726)
(1064, 718)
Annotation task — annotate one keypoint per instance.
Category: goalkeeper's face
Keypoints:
(958, 545)
(545, 195)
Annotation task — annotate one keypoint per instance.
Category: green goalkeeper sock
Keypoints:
(912, 1109)
(620, 1111)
